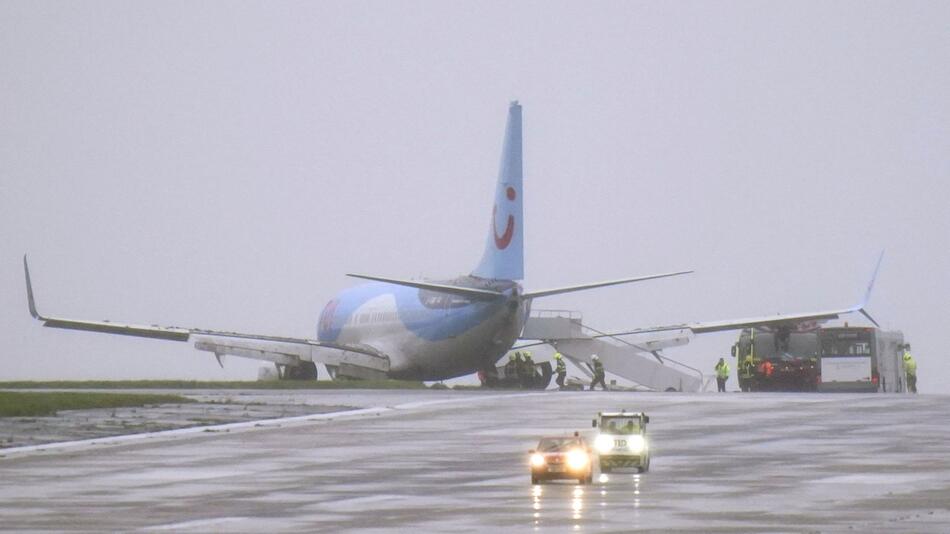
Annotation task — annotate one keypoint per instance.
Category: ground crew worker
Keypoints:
(519, 367)
(560, 368)
(910, 368)
(746, 372)
(527, 377)
(722, 374)
(511, 368)
(598, 373)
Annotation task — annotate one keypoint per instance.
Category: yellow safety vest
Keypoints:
(722, 370)
(910, 366)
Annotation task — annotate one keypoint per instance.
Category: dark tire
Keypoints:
(303, 371)
(646, 466)
(534, 480)
(582, 481)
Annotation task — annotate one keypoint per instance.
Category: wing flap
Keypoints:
(353, 357)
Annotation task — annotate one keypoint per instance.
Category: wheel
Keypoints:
(582, 481)
(303, 371)
(590, 478)
(534, 479)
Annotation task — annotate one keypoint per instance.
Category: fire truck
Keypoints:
(812, 358)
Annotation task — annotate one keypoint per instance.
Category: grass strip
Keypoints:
(194, 384)
(30, 403)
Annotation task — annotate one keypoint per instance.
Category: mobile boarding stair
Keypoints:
(635, 358)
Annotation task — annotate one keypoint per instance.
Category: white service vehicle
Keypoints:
(622, 441)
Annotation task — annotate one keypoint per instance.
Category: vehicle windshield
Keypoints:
(620, 425)
(558, 444)
(845, 344)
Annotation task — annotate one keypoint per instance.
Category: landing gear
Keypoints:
(302, 371)
(488, 377)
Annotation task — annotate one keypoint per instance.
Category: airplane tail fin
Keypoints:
(503, 258)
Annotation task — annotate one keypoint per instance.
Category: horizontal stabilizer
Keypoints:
(470, 292)
(570, 289)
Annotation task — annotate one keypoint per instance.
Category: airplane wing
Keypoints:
(736, 324)
(278, 349)
(790, 320)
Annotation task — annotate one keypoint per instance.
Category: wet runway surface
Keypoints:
(457, 461)
(210, 408)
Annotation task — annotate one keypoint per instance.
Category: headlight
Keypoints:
(537, 460)
(577, 459)
(604, 443)
(637, 443)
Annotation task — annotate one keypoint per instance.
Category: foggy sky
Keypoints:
(222, 165)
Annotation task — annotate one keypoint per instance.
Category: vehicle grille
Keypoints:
(620, 461)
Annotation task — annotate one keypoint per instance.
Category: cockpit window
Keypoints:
(558, 444)
(845, 343)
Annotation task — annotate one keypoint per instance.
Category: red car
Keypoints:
(563, 457)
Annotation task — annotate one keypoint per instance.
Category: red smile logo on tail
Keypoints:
(502, 241)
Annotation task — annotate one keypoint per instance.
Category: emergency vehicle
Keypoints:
(838, 358)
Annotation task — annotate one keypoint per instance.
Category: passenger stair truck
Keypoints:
(844, 358)
(636, 359)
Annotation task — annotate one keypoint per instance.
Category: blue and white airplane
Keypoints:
(416, 330)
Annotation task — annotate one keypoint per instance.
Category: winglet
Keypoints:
(29, 292)
(867, 294)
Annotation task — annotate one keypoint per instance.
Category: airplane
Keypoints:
(426, 330)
